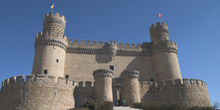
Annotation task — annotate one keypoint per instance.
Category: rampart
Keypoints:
(84, 92)
(95, 47)
(186, 92)
(39, 92)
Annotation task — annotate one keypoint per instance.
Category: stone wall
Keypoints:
(50, 58)
(83, 92)
(40, 93)
(193, 93)
(80, 66)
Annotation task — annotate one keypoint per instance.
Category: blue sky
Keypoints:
(193, 24)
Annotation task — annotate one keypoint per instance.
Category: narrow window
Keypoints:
(151, 80)
(133, 98)
(57, 60)
(200, 96)
(180, 95)
(111, 67)
(45, 71)
(55, 94)
(22, 93)
(67, 76)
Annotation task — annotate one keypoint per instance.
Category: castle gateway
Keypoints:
(66, 74)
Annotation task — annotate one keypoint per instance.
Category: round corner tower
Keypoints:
(50, 46)
(164, 54)
(103, 84)
(131, 92)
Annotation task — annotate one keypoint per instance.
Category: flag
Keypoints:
(52, 6)
(159, 15)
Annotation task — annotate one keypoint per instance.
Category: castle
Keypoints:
(66, 74)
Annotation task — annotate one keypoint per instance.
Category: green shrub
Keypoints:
(154, 106)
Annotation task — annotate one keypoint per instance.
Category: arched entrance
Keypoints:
(117, 94)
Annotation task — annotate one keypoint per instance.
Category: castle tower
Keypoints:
(103, 84)
(164, 54)
(50, 46)
(131, 93)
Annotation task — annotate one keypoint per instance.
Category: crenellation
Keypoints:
(20, 78)
(51, 78)
(198, 81)
(30, 77)
(192, 81)
(185, 81)
(127, 45)
(159, 25)
(62, 81)
(69, 41)
(39, 35)
(121, 44)
(94, 42)
(88, 42)
(160, 83)
(153, 85)
(101, 43)
(203, 83)
(75, 41)
(82, 42)
(12, 79)
(3, 84)
(169, 82)
(88, 84)
(178, 82)
(144, 84)
(40, 77)
(138, 45)
(56, 15)
(132, 45)
(80, 84)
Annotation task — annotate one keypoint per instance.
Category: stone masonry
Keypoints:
(67, 73)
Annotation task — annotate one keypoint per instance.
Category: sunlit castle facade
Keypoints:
(67, 73)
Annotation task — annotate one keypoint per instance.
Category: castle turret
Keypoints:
(164, 54)
(50, 47)
(131, 92)
(159, 32)
(103, 84)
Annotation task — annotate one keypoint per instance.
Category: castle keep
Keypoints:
(68, 73)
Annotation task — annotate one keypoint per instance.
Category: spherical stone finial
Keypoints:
(131, 73)
(103, 73)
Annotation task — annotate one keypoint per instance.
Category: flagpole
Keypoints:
(52, 7)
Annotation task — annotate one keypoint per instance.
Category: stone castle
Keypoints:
(67, 74)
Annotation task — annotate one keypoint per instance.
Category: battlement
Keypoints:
(178, 82)
(40, 78)
(55, 16)
(103, 73)
(166, 43)
(86, 84)
(93, 43)
(40, 35)
(164, 27)
(131, 73)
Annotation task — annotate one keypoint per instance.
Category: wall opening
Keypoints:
(151, 79)
(67, 76)
(57, 60)
(117, 96)
(111, 67)
(45, 71)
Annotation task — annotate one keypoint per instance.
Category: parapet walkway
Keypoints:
(124, 108)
